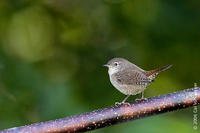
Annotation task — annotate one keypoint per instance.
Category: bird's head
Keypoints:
(117, 64)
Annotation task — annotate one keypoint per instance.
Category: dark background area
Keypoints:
(52, 54)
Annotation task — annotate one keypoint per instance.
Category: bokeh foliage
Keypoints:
(52, 52)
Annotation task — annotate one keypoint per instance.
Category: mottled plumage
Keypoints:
(130, 77)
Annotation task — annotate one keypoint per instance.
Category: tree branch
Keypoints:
(114, 114)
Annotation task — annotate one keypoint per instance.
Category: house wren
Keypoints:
(128, 78)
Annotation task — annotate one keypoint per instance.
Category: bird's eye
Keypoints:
(116, 64)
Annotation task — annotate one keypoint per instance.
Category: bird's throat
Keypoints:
(112, 71)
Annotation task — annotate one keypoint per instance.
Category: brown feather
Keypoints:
(156, 71)
(131, 77)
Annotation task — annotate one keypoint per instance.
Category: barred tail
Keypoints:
(152, 73)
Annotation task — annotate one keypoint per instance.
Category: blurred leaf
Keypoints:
(30, 34)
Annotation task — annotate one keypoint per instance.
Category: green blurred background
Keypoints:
(52, 52)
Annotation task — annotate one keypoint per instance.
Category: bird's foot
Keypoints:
(141, 99)
(121, 103)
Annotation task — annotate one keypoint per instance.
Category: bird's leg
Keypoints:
(125, 98)
(124, 101)
(142, 95)
(142, 98)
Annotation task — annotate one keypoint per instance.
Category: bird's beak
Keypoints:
(106, 65)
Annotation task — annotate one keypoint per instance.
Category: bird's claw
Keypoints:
(121, 103)
(140, 99)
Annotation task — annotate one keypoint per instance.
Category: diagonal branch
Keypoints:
(115, 114)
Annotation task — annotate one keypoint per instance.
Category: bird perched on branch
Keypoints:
(130, 79)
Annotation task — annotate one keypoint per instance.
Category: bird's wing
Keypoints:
(131, 77)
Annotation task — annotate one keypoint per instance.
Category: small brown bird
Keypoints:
(128, 78)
